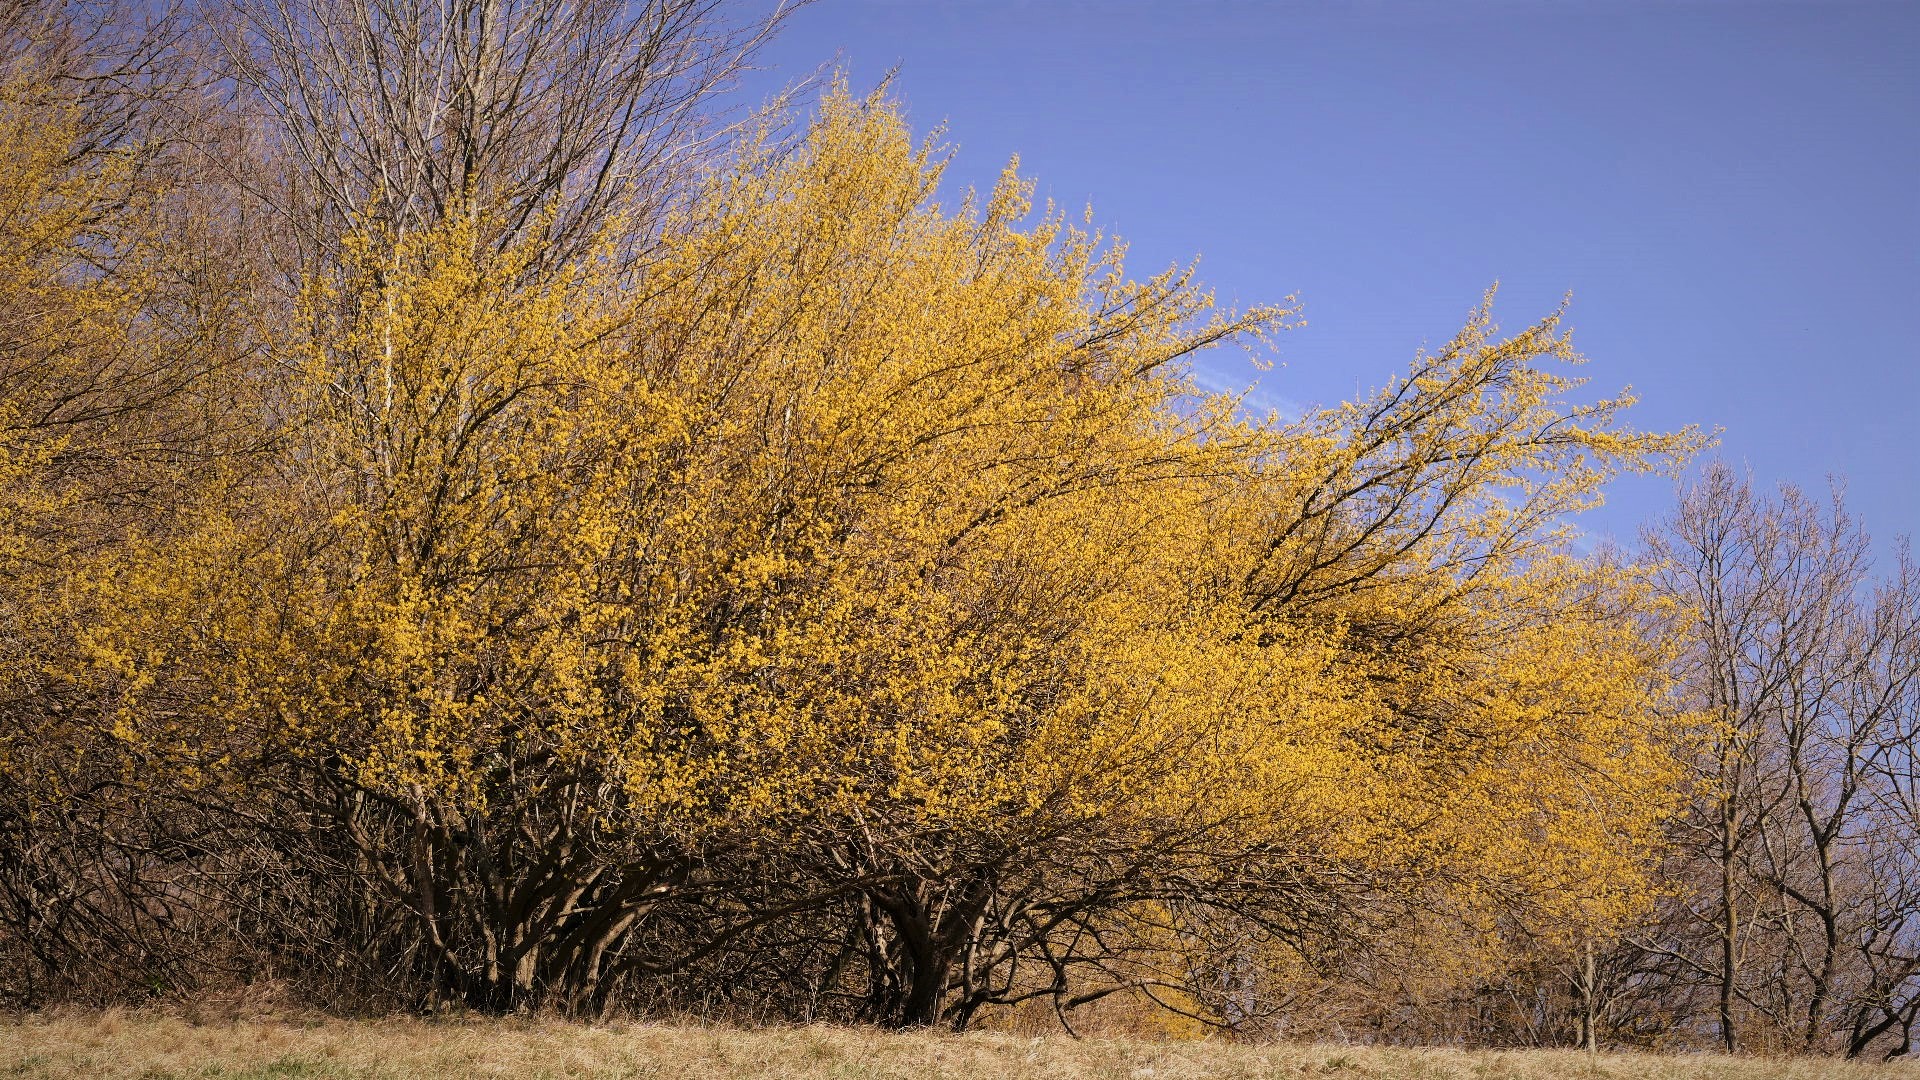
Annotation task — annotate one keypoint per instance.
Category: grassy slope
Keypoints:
(154, 1047)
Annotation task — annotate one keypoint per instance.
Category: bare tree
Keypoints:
(549, 116)
(1800, 911)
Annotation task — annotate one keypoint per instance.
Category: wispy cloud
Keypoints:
(1254, 399)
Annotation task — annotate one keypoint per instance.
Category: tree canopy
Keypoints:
(455, 557)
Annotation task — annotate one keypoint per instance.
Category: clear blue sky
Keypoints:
(1730, 190)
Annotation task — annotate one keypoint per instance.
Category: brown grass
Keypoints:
(153, 1046)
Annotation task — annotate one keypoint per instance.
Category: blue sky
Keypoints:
(1730, 190)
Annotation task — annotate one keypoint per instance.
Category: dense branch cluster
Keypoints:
(480, 532)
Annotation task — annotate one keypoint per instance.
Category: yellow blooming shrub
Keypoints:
(873, 566)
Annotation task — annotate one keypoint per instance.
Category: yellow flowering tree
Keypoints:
(115, 331)
(857, 591)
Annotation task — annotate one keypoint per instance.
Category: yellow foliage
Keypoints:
(850, 513)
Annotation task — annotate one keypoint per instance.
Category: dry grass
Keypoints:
(155, 1046)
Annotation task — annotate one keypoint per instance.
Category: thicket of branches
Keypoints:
(484, 527)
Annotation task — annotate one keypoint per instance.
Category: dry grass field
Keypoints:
(156, 1046)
